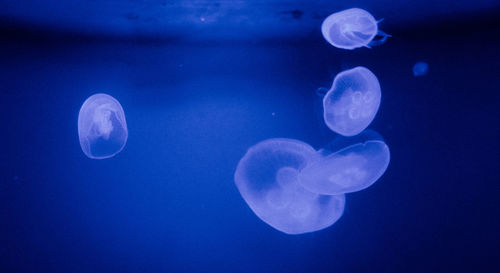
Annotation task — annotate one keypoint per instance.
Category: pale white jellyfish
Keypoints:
(266, 178)
(352, 28)
(352, 102)
(357, 165)
(102, 128)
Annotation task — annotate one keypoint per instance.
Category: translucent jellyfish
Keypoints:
(360, 163)
(266, 178)
(420, 69)
(352, 102)
(352, 28)
(102, 128)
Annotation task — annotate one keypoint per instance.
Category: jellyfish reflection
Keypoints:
(102, 128)
(352, 102)
(267, 178)
(347, 165)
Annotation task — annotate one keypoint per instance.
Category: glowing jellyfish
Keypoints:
(102, 128)
(356, 166)
(266, 178)
(352, 102)
(420, 69)
(352, 28)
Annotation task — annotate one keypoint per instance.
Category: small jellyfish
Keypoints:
(102, 128)
(267, 179)
(420, 69)
(360, 163)
(352, 28)
(352, 102)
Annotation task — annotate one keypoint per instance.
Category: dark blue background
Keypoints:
(168, 203)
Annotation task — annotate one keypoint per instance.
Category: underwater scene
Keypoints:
(250, 136)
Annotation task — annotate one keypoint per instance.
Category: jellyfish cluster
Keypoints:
(293, 187)
(287, 183)
(268, 178)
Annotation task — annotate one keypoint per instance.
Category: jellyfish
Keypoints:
(420, 69)
(352, 102)
(352, 28)
(102, 128)
(359, 163)
(267, 179)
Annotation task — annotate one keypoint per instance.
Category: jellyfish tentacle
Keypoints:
(321, 91)
(383, 38)
(381, 33)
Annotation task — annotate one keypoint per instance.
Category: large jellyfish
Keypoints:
(352, 102)
(267, 180)
(102, 128)
(352, 28)
(347, 165)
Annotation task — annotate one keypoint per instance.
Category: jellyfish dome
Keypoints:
(358, 165)
(352, 102)
(102, 128)
(420, 69)
(267, 179)
(352, 28)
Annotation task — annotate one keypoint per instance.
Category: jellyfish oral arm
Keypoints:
(103, 122)
(380, 41)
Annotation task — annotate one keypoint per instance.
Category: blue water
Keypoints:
(168, 203)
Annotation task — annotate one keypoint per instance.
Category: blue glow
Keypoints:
(420, 69)
(352, 102)
(102, 128)
(267, 178)
(352, 28)
(360, 162)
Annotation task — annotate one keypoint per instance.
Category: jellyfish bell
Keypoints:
(102, 128)
(420, 69)
(347, 165)
(352, 28)
(267, 179)
(352, 102)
